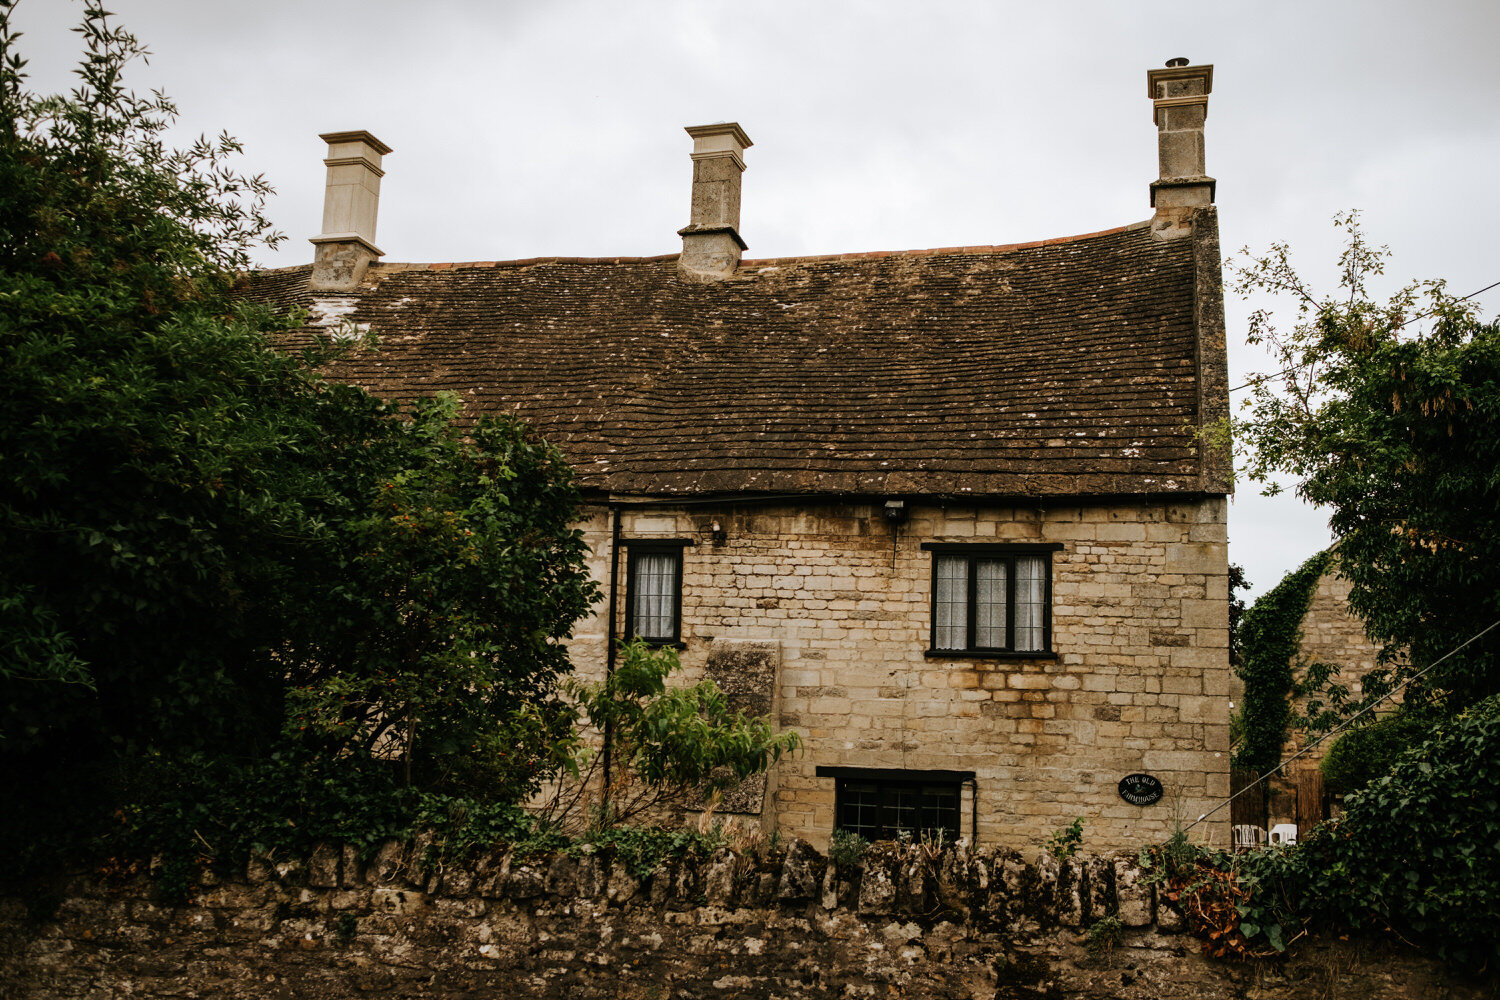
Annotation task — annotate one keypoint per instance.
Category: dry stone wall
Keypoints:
(907, 923)
(1140, 680)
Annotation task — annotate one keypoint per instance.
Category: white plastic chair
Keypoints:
(1284, 833)
(1248, 837)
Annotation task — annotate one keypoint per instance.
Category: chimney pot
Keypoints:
(1179, 100)
(351, 200)
(711, 243)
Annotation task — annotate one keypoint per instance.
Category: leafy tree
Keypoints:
(242, 604)
(219, 570)
(670, 745)
(1388, 415)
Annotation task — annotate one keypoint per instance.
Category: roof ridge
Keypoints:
(995, 248)
(394, 266)
(277, 270)
(523, 262)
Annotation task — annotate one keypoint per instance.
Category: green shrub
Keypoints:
(644, 849)
(204, 808)
(846, 849)
(1362, 755)
(1416, 851)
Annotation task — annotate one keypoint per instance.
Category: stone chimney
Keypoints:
(1179, 95)
(711, 243)
(350, 200)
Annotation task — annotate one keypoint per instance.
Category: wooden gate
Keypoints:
(1248, 809)
(1312, 801)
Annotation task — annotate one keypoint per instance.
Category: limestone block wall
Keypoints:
(1331, 633)
(1139, 681)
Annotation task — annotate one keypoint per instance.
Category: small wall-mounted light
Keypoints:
(717, 533)
(895, 511)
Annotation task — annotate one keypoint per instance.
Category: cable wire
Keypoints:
(1287, 371)
(1345, 724)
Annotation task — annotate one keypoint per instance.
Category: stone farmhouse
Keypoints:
(951, 514)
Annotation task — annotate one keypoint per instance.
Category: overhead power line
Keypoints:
(1346, 723)
(1287, 371)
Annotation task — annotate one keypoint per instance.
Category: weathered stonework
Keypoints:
(1139, 682)
(746, 671)
(832, 415)
(1331, 633)
(905, 923)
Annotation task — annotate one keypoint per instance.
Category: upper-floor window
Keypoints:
(991, 600)
(653, 590)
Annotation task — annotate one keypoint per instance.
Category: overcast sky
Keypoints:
(536, 129)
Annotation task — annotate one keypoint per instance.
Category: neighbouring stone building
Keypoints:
(950, 514)
(1331, 634)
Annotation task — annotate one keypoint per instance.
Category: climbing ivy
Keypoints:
(1269, 635)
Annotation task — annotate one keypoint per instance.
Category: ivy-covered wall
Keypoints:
(1270, 636)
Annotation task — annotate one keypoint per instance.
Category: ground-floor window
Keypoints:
(880, 804)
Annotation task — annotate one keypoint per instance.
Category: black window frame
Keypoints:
(634, 549)
(986, 551)
(888, 784)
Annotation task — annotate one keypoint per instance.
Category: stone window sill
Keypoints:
(985, 654)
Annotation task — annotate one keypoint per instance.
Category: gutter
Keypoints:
(611, 643)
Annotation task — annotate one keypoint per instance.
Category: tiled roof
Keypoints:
(1064, 368)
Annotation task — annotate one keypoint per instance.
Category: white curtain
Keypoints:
(1031, 595)
(655, 613)
(989, 604)
(951, 608)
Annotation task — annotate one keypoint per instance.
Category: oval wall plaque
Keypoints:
(1140, 789)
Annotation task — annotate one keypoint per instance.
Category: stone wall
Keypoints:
(1331, 633)
(1140, 681)
(906, 923)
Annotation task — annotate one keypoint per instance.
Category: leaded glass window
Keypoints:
(950, 603)
(653, 592)
(992, 598)
(906, 805)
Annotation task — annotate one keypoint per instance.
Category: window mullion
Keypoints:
(972, 603)
(1010, 603)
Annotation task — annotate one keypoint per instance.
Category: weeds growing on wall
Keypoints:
(1066, 840)
(1269, 635)
(645, 849)
(1102, 938)
(846, 849)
